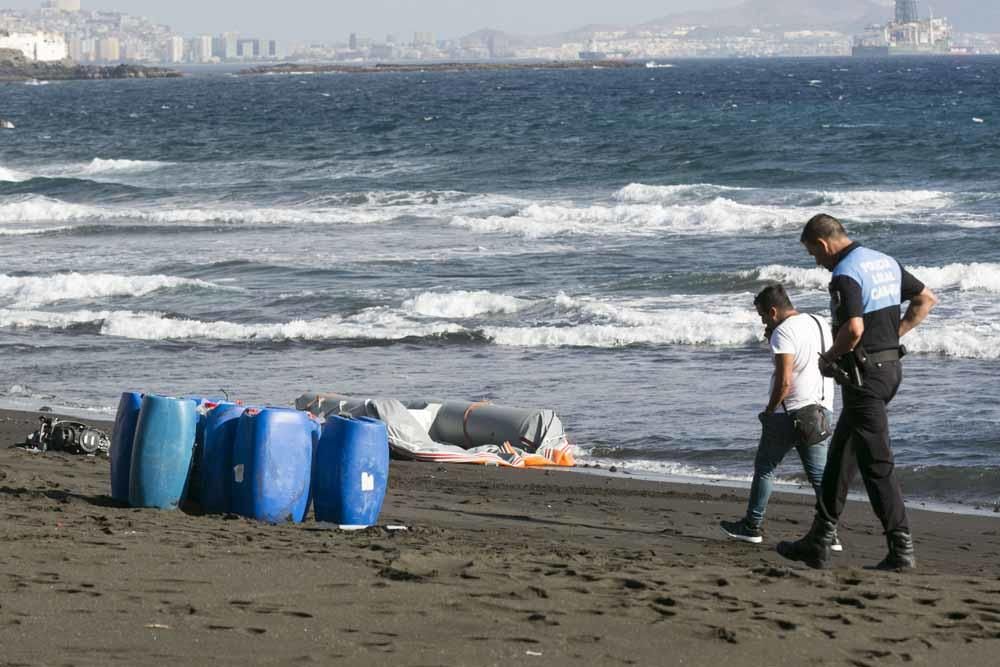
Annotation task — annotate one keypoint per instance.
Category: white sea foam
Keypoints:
(720, 215)
(790, 276)
(7, 231)
(12, 176)
(886, 200)
(28, 291)
(673, 469)
(102, 166)
(638, 193)
(36, 208)
(704, 330)
(462, 304)
(964, 340)
(856, 203)
(975, 277)
(374, 323)
(617, 325)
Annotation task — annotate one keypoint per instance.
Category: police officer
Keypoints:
(867, 290)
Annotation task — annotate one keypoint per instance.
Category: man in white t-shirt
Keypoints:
(796, 340)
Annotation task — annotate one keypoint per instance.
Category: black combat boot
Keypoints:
(900, 555)
(814, 548)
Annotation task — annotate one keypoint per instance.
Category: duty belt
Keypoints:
(883, 356)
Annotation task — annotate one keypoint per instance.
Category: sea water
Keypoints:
(586, 240)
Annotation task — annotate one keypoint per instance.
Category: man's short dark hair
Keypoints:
(822, 226)
(773, 296)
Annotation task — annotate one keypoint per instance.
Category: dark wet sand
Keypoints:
(503, 567)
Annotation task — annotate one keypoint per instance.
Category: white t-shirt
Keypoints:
(800, 337)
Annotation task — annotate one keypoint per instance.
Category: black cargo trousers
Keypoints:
(861, 442)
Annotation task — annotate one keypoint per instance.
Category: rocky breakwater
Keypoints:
(300, 68)
(15, 67)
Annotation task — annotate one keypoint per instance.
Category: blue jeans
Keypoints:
(776, 439)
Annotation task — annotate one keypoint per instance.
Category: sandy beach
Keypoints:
(497, 567)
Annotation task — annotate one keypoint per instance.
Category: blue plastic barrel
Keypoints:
(121, 444)
(352, 471)
(162, 451)
(217, 457)
(272, 465)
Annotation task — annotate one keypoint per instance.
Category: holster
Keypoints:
(849, 371)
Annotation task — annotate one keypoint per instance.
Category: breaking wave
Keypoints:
(721, 215)
(638, 193)
(372, 324)
(611, 325)
(12, 176)
(974, 277)
(852, 200)
(373, 208)
(32, 232)
(462, 304)
(960, 339)
(23, 292)
(885, 199)
(103, 166)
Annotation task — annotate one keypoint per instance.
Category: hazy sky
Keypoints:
(330, 20)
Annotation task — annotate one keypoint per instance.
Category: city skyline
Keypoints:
(303, 20)
(55, 29)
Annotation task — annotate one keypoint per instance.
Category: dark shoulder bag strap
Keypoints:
(822, 344)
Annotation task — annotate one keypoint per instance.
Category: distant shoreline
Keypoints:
(292, 68)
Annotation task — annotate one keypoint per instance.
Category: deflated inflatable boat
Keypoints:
(457, 431)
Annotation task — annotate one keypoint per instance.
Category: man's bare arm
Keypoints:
(920, 306)
(784, 367)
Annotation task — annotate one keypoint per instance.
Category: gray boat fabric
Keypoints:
(460, 432)
(475, 424)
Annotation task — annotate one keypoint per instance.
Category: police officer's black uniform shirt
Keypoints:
(871, 285)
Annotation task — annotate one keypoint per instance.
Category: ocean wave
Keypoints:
(721, 215)
(96, 167)
(885, 200)
(618, 325)
(38, 208)
(974, 277)
(639, 193)
(977, 276)
(462, 304)
(857, 201)
(6, 231)
(28, 291)
(103, 166)
(790, 276)
(12, 176)
(609, 336)
(371, 324)
(961, 340)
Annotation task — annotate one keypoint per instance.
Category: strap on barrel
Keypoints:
(465, 421)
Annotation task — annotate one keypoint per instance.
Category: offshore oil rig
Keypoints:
(906, 35)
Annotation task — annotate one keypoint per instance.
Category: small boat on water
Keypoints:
(6, 124)
(652, 64)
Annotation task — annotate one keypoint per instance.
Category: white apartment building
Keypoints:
(175, 49)
(109, 49)
(63, 5)
(202, 47)
(40, 46)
